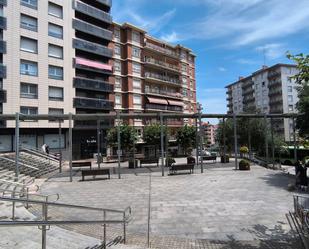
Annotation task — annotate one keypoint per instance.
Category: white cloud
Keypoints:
(171, 38)
(222, 69)
(246, 61)
(272, 50)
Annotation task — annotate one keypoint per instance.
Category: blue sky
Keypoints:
(228, 36)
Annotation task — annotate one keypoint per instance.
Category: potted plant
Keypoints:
(244, 165)
(243, 151)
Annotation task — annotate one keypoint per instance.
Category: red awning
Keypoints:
(157, 101)
(176, 103)
(94, 64)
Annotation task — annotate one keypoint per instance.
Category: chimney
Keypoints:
(240, 78)
(264, 67)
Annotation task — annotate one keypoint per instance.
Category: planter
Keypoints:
(225, 159)
(244, 165)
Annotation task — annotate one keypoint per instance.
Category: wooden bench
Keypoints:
(210, 158)
(149, 161)
(81, 164)
(95, 172)
(177, 167)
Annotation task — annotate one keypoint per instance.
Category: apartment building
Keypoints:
(56, 58)
(209, 134)
(269, 90)
(152, 76)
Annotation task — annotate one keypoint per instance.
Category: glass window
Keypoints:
(136, 84)
(117, 66)
(30, 3)
(55, 30)
(291, 108)
(28, 68)
(55, 111)
(27, 110)
(137, 100)
(55, 72)
(136, 37)
(55, 10)
(136, 67)
(117, 49)
(290, 89)
(55, 93)
(55, 51)
(184, 67)
(118, 99)
(118, 82)
(117, 33)
(136, 52)
(290, 98)
(28, 22)
(28, 45)
(29, 91)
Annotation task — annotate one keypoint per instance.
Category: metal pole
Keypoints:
(149, 211)
(119, 143)
(70, 146)
(98, 143)
(104, 230)
(162, 143)
(44, 218)
(59, 144)
(224, 141)
(295, 142)
(235, 140)
(17, 146)
(196, 141)
(249, 139)
(134, 143)
(166, 142)
(272, 142)
(201, 140)
(124, 229)
(266, 140)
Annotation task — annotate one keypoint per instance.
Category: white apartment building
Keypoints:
(269, 90)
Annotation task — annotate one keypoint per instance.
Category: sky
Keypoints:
(231, 38)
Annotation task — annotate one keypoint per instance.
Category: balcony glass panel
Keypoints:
(95, 85)
(92, 48)
(92, 30)
(89, 103)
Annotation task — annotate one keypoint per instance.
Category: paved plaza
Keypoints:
(233, 209)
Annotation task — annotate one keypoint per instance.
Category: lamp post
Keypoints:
(199, 110)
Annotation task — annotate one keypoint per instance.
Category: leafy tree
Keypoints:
(152, 135)
(302, 80)
(186, 138)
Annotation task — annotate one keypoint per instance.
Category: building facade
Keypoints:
(209, 134)
(269, 90)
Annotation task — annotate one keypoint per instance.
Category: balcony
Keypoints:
(161, 50)
(275, 92)
(160, 92)
(91, 11)
(90, 103)
(93, 85)
(105, 2)
(158, 78)
(2, 96)
(273, 74)
(275, 101)
(2, 71)
(93, 66)
(275, 83)
(3, 2)
(163, 108)
(248, 91)
(92, 48)
(161, 65)
(247, 84)
(229, 98)
(92, 30)
(2, 22)
(249, 100)
(2, 47)
(93, 124)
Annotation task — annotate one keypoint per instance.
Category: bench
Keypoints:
(177, 167)
(81, 164)
(95, 172)
(149, 161)
(209, 158)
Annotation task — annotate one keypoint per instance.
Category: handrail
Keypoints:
(36, 152)
(22, 193)
(22, 164)
(62, 222)
(13, 183)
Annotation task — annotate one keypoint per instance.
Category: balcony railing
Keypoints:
(162, 64)
(162, 78)
(275, 83)
(247, 84)
(91, 11)
(90, 103)
(248, 91)
(275, 101)
(106, 2)
(93, 66)
(275, 92)
(2, 22)
(92, 29)
(2, 71)
(165, 93)
(2, 96)
(2, 47)
(92, 48)
(95, 85)
(93, 124)
(3, 2)
(164, 107)
(162, 50)
(273, 74)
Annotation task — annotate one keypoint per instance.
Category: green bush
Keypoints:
(244, 165)
(244, 150)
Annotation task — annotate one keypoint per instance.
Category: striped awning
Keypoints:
(157, 101)
(176, 103)
(93, 64)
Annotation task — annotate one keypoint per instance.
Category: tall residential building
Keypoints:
(152, 75)
(269, 90)
(209, 134)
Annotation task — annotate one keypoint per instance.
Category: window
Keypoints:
(117, 49)
(117, 34)
(291, 108)
(184, 80)
(55, 30)
(136, 52)
(55, 111)
(28, 22)
(136, 84)
(55, 72)
(290, 89)
(118, 82)
(137, 100)
(290, 98)
(263, 83)
(136, 67)
(55, 51)
(184, 67)
(117, 66)
(30, 3)
(118, 99)
(55, 93)
(28, 45)
(184, 92)
(28, 110)
(54, 10)
(29, 91)
(28, 68)
(136, 37)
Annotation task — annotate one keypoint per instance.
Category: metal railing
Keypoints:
(22, 164)
(45, 223)
(301, 209)
(39, 153)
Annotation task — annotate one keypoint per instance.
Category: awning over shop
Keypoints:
(176, 103)
(157, 101)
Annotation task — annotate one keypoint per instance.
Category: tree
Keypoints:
(186, 138)
(152, 135)
(302, 81)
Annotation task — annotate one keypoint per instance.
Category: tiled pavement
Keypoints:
(221, 208)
